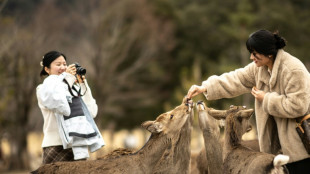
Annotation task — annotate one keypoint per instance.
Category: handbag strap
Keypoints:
(305, 118)
(77, 91)
(299, 124)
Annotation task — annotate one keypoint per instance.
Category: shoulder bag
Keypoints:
(303, 130)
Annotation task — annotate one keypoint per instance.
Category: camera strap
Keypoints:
(73, 88)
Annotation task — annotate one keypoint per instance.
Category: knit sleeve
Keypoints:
(88, 99)
(230, 84)
(70, 79)
(52, 94)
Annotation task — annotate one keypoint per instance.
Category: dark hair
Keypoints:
(265, 42)
(48, 58)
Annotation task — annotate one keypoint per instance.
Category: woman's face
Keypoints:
(261, 60)
(58, 66)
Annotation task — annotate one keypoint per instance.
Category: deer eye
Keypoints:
(171, 116)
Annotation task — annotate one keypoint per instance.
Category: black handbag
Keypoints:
(303, 130)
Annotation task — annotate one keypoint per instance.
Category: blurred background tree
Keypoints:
(141, 56)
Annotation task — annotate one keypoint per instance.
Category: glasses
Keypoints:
(255, 55)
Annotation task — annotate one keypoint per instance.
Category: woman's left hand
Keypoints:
(258, 94)
(71, 69)
(80, 78)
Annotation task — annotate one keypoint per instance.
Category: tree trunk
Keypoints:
(18, 159)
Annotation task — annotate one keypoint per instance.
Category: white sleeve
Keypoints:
(88, 99)
(52, 94)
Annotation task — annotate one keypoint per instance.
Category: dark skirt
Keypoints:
(57, 153)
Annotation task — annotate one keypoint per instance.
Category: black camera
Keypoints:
(79, 70)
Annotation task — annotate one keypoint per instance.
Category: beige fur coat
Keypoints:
(287, 97)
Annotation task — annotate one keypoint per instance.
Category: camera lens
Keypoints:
(80, 70)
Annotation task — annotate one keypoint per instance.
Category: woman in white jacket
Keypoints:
(54, 96)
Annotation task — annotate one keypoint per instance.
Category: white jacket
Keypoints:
(52, 100)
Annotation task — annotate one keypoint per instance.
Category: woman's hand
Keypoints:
(195, 90)
(71, 69)
(80, 78)
(258, 94)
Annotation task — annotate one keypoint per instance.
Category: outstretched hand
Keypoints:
(258, 94)
(195, 90)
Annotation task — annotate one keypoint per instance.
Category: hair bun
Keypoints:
(280, 41)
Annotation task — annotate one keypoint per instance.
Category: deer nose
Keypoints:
(189, 102)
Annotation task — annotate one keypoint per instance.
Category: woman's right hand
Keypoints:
(195, 90)
(71, 69)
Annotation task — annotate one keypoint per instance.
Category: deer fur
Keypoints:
(163, 129)
(239, 159)
(176, 159)
(211, 136)
(201, 162)
(116, 153)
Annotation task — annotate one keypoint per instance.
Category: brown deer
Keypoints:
(213, 147)
(239, 159)
(164, 129)
(211, 135)
(176, 159)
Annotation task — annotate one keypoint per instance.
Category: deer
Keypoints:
(239, 159)
(176, 159)
(163, 130)
(213, 149)
(212, 154)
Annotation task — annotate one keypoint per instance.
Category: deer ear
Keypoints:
(217, 114)
(246, 113)
(152, 126)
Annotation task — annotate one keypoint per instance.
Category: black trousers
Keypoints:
(299, 167)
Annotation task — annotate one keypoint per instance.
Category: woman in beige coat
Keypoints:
(280, 84)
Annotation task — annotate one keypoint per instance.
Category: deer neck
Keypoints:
(213, 146)
(232, 138)
(176, 157)
(182, 146)
(153, 150)
(183, 141)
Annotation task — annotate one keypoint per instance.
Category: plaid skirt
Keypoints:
(57, 153)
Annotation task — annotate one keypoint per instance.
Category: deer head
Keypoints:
(237, 121)
(171, 121)
(205, 120)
